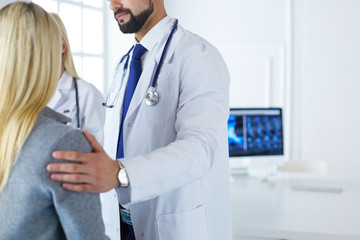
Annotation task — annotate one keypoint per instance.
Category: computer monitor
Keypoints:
(255, 137)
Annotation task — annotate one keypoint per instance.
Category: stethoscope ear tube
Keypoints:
(163, 54)
(107, 102)
(152, 96)
(77, 102)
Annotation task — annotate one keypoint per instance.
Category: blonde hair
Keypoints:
(30, 55)
(67, 57)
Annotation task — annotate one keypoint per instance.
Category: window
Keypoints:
(84, 22)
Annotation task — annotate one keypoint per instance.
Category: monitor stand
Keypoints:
(239, 167)
(253, 167)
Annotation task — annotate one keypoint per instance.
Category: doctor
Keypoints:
(74, 97)
(173, 178)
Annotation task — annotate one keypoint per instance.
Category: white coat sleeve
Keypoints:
(93, 113)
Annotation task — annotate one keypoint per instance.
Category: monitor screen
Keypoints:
(255, 132)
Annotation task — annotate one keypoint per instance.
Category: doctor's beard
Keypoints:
(136, 22)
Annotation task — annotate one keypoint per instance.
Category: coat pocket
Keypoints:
(187, 225)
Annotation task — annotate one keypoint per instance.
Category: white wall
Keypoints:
(302, 55)
(327, 78)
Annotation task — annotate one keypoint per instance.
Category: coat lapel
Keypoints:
(64, 85)
(55, 99)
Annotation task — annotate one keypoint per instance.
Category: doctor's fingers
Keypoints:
(95, 145)
(72, 178)
(72, 167)
(74, 156)
(84, 187)
(75, 178)
(78, 187)
(85, 182)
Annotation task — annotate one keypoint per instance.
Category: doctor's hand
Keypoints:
(95, 173)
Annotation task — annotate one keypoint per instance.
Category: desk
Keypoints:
(272, 209)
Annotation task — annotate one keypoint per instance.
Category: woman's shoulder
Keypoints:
(48, 134)
(51, 130)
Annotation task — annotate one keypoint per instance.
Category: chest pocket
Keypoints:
(164, 111)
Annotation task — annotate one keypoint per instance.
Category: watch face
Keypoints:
(122, 177)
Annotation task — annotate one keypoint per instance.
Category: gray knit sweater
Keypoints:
(34, 207)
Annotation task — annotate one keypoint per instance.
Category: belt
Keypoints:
(126, 216)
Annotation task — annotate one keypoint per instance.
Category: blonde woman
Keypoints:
(74, 97)
(31, 205)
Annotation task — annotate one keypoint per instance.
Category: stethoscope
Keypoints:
(77, 103)
(152, 95)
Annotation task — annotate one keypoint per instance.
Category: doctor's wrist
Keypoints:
(122, 175)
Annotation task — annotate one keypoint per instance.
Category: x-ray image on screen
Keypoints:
(255, 132)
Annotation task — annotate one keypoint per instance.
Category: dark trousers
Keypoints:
(127, 231)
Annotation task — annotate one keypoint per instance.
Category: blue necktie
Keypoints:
(134, 75)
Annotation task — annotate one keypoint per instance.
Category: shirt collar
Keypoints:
(65, 81)
(150, 40)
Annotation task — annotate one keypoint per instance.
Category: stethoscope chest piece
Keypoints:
(151, 96)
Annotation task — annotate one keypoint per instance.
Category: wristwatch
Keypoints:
(122, 175)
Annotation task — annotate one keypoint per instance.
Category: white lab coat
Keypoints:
(92, 113)
(176, 154)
